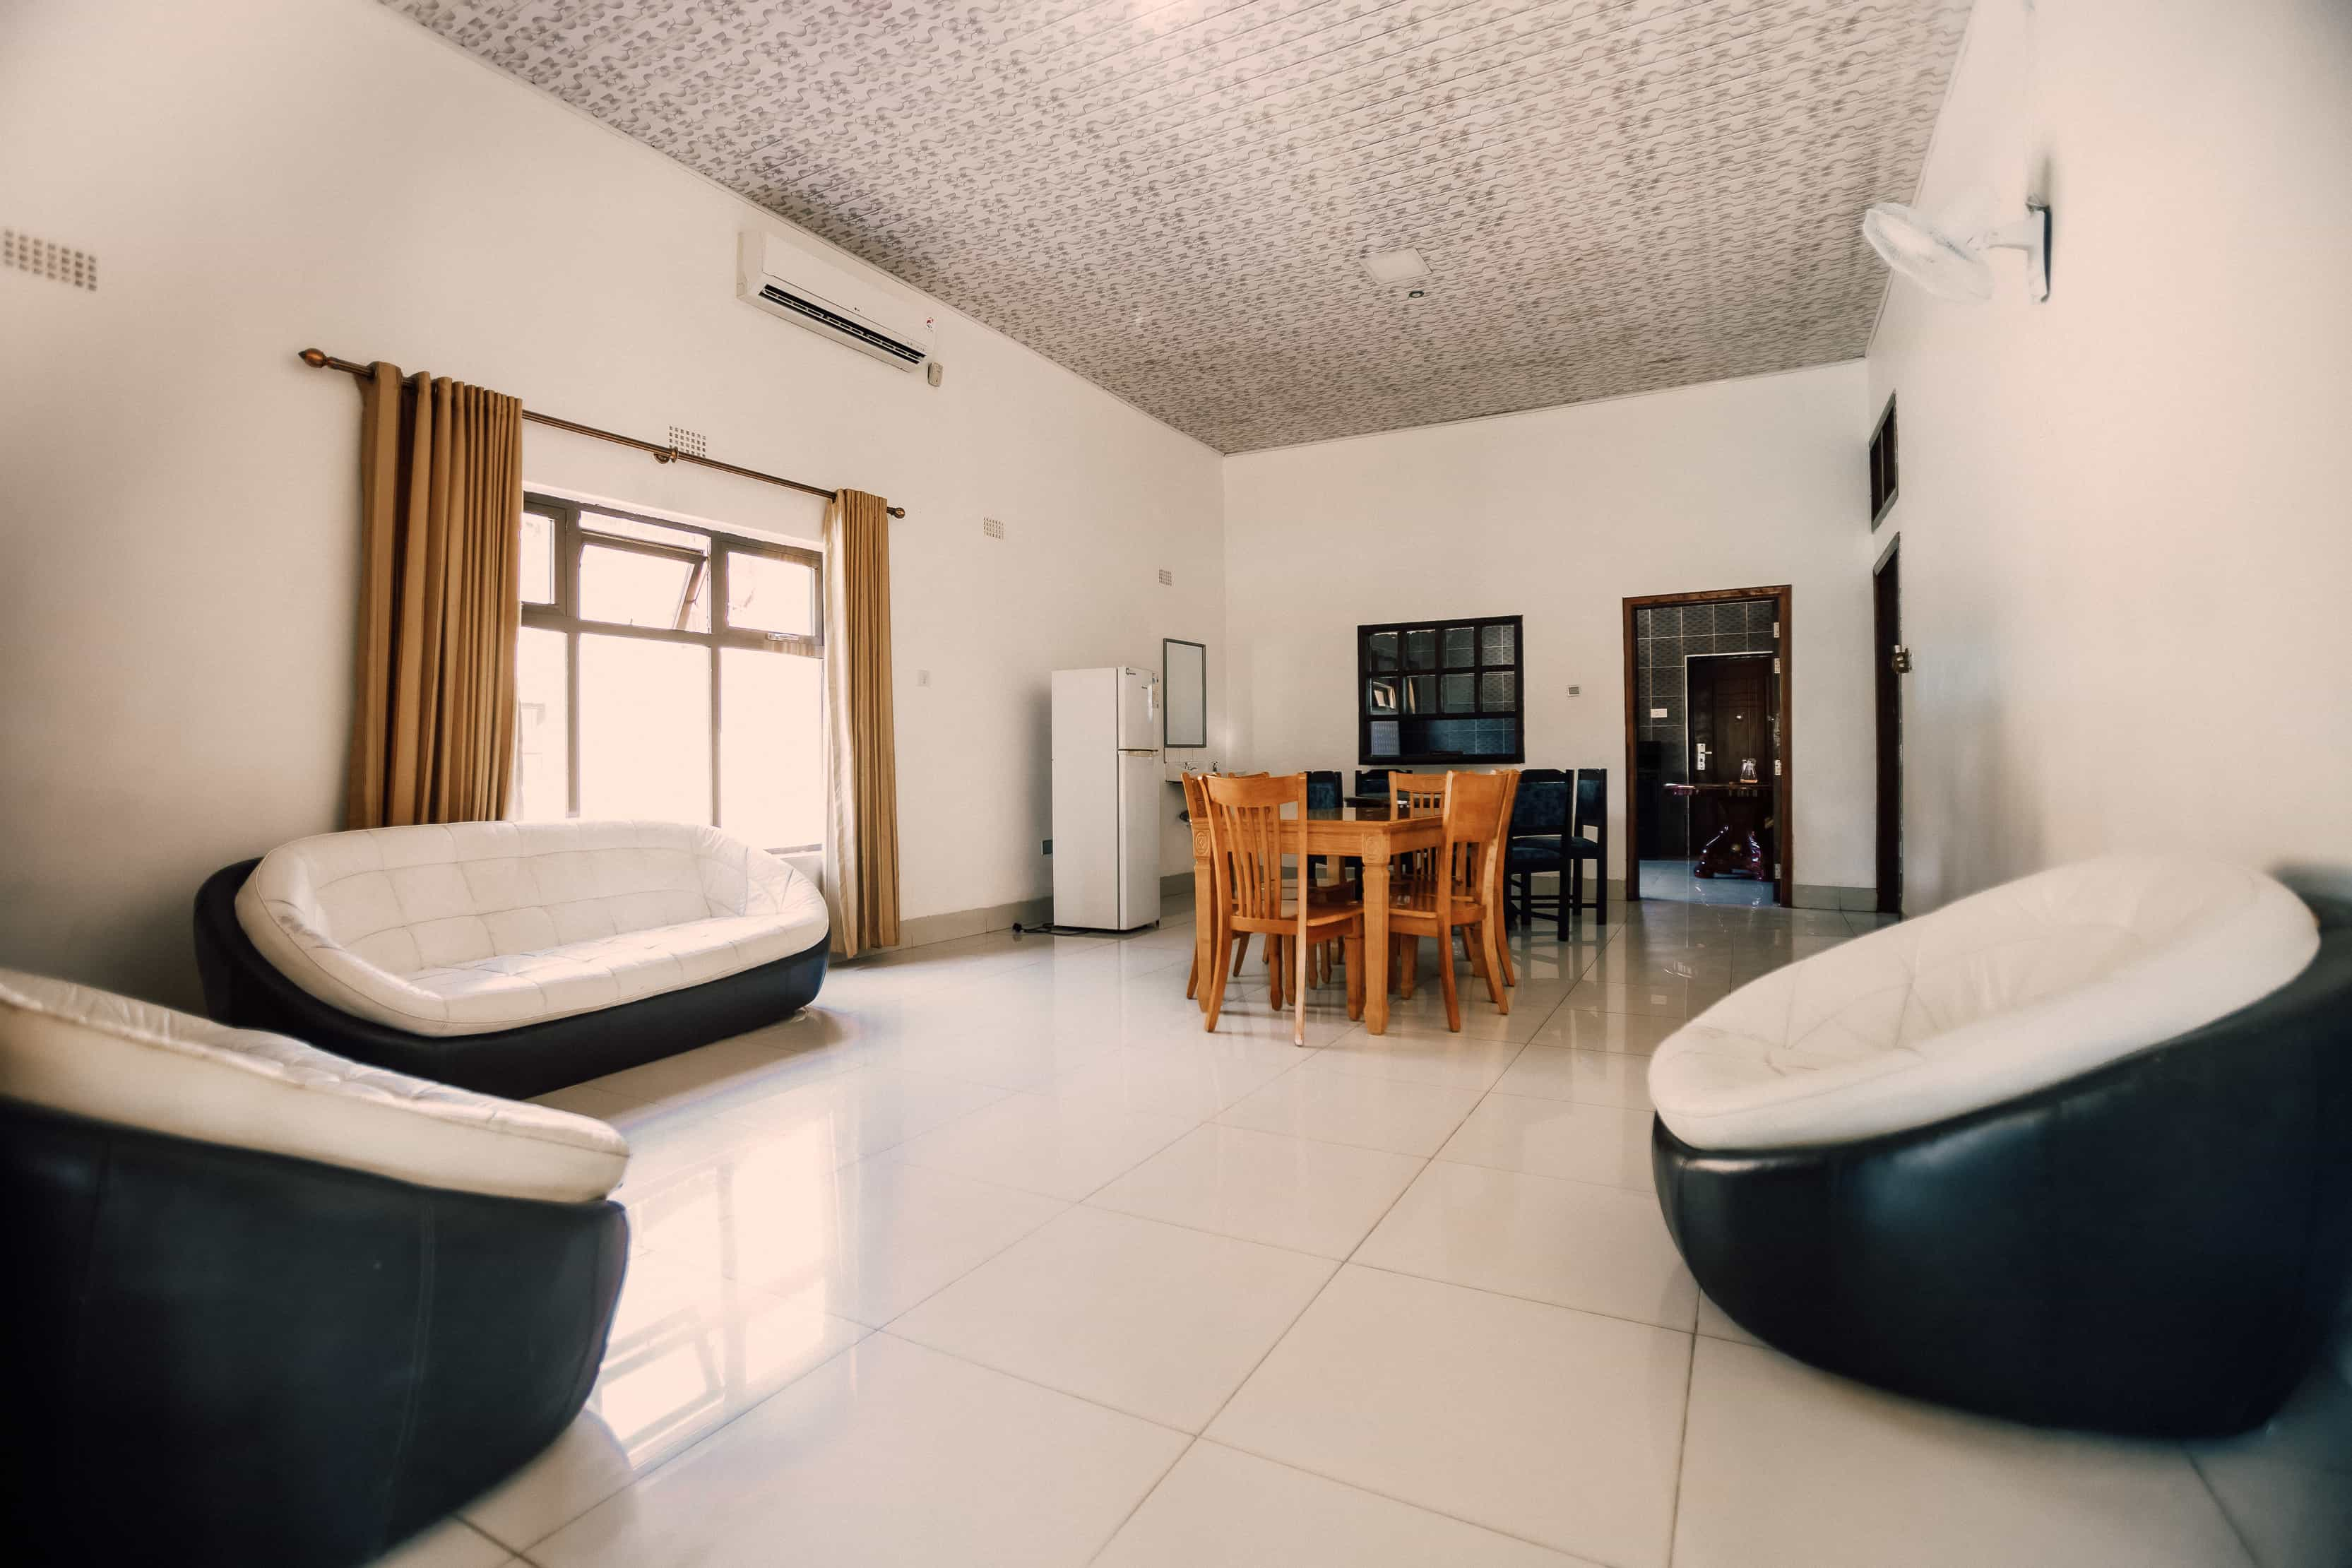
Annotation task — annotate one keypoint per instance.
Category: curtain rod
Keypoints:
(318, 359)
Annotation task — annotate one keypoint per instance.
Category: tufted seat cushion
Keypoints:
(109, 1058)
(2014, 989)
(480, 926)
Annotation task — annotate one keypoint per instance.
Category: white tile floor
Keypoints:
(995, 1257)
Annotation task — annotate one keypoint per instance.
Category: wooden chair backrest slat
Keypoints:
(1417, 794)
(1474, 816)
(1248, 836)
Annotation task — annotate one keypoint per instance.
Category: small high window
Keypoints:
(1440, 692)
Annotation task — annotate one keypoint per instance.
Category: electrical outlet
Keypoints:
(922, 677)
(1576, 692)
(1049, 846)
(991, 527)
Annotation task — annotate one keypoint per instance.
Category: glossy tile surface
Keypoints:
(1572, 1141)
(889, 1453)
(1315, 1197)
(1412, 1292)
(1222, 1506)
(1556, 1427)
(1155, 1320)
(1574, 1243)
(1790, 1467)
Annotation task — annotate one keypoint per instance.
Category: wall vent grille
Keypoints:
(991, 527)
(48, 258)
(689, 442)
(1167, 578)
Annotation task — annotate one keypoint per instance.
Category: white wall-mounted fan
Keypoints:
(1949, 259)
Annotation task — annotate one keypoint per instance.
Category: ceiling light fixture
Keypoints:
(1396, 265)
(1939, 259)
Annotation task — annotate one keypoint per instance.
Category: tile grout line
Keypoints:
(2221, 1506)
(1682, 1451)
(1580, 1559)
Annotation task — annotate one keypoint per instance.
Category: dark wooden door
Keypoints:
(1887, 619)
(1730, 699)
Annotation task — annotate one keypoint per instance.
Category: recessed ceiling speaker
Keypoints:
(1949, 263)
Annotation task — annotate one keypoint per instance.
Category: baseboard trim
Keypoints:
(924, 929)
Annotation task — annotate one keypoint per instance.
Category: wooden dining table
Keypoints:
(1373, 834)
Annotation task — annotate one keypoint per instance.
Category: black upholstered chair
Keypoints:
(2097, 1173)
(1537, 843)
(1588, 839)
(268, 1306)
(1373, 784)
(1324, 793)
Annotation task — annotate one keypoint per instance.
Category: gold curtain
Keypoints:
(440, 534)
(861, 841)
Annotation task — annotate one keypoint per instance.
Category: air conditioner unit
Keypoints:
(828, 298)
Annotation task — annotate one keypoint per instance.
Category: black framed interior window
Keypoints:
(1440, 692)
(1882, 465)
(670, 672)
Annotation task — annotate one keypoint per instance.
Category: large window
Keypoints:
(671, 672)
(1440, 691)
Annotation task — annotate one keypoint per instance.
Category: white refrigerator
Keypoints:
(1108, 788)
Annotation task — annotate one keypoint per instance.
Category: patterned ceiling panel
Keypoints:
(1173, 197)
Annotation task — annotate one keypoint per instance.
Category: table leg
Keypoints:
(1204, 926)
(1376, 945)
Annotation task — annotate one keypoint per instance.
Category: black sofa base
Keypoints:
(242, 989)
(215, 1356)
(2158, 1247)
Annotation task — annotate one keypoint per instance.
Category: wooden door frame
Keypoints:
(1784, 838)
(1885, 679)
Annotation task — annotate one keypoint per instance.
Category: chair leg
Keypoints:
(1601, 886)
(1445, 979)
(1216, 988)
(1240, 953)
(1352, 955)
(1273, 966)
(1571, 894)
(1502, 998)
(1411, 979)
(1298, 1003)
(1193, 976)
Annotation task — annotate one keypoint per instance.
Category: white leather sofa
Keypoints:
(509, 956)
(2075, 1150)
(297, 1307)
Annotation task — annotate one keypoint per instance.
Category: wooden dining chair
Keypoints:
(1463, 891)
(1501, 853)
(1248, 837)
(1204, 912)
(1412, 875)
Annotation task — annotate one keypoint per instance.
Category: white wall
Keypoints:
(177, 602)
(2126, 540)
(1559, 515)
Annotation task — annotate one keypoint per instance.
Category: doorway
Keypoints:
(1708, 683)
(1887, 626)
